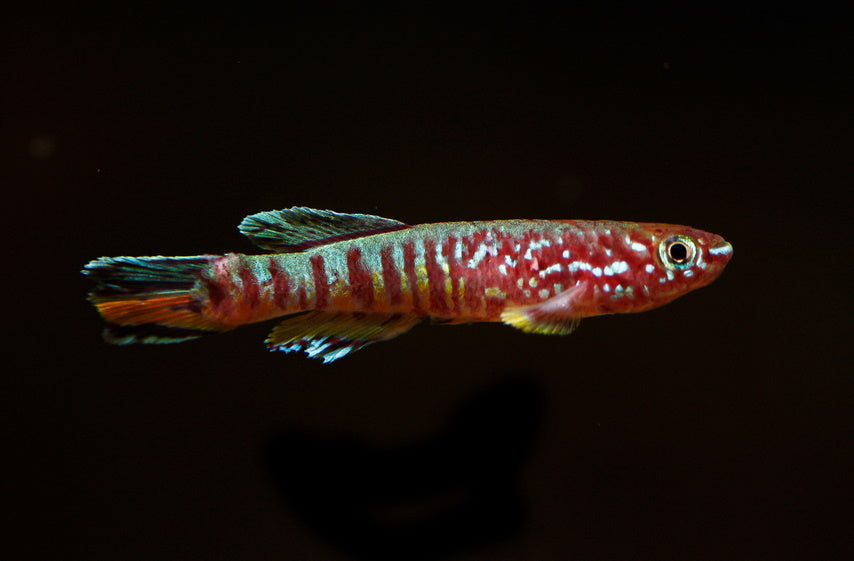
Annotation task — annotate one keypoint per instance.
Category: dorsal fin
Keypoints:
(299, 228)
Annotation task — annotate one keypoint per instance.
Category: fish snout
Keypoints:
(721, 252)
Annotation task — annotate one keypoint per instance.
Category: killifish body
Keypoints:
(344, 281)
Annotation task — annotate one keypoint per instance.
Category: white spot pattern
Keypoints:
(578, 266)
(555, 268)
(619, 267)
(538, 244)
(483, 250)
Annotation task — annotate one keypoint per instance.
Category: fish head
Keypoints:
(680, 259)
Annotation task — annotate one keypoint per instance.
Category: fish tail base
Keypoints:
(150, 299)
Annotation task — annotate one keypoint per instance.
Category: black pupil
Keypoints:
(678, 252)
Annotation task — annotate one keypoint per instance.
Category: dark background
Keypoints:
(717, 427)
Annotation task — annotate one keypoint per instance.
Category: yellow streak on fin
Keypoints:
(556, 316)
(518, 317)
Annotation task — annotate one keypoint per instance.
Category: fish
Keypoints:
(339, 282)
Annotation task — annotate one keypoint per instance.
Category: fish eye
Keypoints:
(677, 252)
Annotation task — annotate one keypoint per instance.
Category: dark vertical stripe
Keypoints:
(435, 280)
(409, 269)
(321, 283)
(474, 283)
(250, 293)
(214, 290)
(281, 283)
(507, 247)
(220, 288)
(391, 277)
(474, 294)
(361, 284)
(454, 273)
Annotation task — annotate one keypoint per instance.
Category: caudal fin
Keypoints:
(150, 299)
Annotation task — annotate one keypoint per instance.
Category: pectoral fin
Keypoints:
(559, 315)
(332, 335)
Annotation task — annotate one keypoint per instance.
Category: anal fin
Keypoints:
(558, 315)
(332, 335)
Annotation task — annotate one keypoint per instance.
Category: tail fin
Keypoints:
(150, 299)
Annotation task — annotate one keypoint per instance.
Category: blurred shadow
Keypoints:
(457, 490)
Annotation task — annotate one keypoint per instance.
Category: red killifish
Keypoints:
(344, 281)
